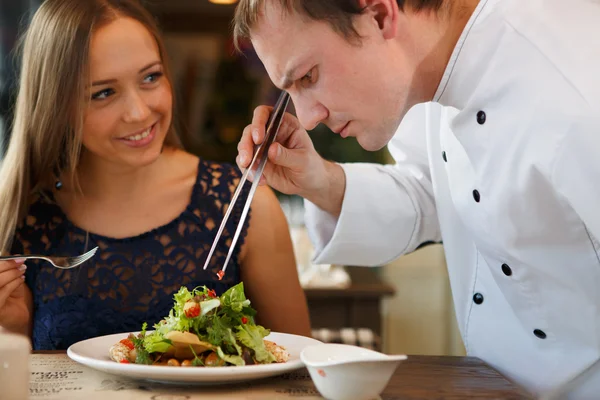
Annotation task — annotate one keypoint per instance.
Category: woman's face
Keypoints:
(130, 106)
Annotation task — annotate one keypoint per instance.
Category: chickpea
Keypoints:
(213, 360)
(173, 363)
(132, 355)
(186, 363)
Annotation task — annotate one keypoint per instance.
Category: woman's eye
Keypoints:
(102, 94)
(153, 77)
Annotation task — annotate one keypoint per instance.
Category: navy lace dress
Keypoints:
(129, 281)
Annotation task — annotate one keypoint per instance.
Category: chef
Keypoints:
(491, 110)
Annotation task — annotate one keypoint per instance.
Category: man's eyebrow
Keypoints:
(288, 78)
(107, 81)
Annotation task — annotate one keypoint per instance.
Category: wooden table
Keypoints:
(432, 377)
(420, 377)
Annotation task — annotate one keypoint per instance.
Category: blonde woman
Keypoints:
(93, 160)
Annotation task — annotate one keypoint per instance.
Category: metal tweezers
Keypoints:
(256, 169)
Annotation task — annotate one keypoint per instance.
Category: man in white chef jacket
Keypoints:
(499, 158)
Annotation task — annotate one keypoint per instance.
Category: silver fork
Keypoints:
(57, 261)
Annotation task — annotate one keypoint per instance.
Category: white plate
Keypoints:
(94, 354)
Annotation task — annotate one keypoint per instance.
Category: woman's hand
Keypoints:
(15, 312)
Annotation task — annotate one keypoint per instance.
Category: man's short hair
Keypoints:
(338, 14)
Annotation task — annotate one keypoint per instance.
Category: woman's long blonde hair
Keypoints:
(45, 142)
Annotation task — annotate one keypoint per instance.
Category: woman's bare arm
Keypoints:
(269, 271)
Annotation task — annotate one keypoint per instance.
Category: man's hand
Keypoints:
(294, 166)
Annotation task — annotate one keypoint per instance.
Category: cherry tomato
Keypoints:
(191, 309)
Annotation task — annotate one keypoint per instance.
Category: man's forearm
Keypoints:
(330, 197)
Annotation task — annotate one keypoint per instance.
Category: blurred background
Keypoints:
(403, 307)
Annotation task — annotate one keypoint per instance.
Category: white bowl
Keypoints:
(345, 372)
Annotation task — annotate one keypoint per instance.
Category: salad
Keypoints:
(202, 330)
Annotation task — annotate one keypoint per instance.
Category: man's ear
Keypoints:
(384, 13)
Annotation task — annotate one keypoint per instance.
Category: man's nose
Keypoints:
(310, 113)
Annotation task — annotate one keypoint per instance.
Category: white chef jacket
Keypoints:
(504, 167)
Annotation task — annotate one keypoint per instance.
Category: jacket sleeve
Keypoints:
(388, 210)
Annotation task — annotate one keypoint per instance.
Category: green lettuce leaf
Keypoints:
(235, 298)
(231, 344)
(156, 343)
(197, 361)
(252, 337)
(235, 360)
(218, 331)
(173, 322)
(181, 297)
(138, 341)
(209, 305)
(142, 355)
